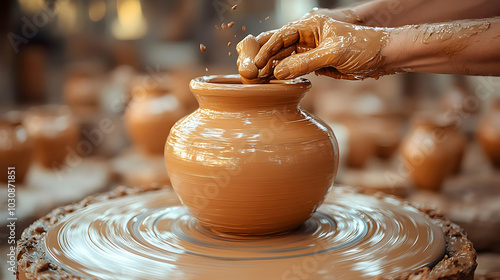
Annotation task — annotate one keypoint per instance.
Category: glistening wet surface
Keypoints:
(152, 236)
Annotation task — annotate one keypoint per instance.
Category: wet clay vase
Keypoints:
(151, 113)
(488, 134)
(433, 149)
(16, 148)
(55, 135)
(249, 160)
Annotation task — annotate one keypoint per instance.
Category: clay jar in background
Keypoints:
(386, 129)
(369, 136)
(433, 149)
(249, 160)
(55, 134)
(459, 98)
(82, 88)
(488, 134)
(16, 148)
(151, 113)
(362, 143)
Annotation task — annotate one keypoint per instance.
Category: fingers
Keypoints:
(334, 73)
(303, 63)
(273, 61)
(247, 50)
(263, 37)
(284, 37)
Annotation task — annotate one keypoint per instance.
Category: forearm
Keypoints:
(462, 47)
(394, 13)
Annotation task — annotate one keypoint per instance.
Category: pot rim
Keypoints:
(231, 84)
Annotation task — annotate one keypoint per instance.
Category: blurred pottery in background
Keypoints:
(386, 131)
(361, 142)
(55, 134)
(460, 99)
(134, 168)
(81, 93)
(433, 149)
(16, 148)
(82, 88)
(31, 73)
(488, 134)
(180, 83)
(249, 161)
(151, 113)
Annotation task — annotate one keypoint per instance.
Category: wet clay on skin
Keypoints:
(152, 236)
(247, 50)
(353, 50)
(455, 35)
(345, 51)
(250, 161)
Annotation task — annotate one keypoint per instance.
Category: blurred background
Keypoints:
(90, 88)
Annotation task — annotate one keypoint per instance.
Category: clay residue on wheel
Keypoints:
(458, 263)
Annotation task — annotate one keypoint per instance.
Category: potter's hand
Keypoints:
(322, 44)
(348, 15)
(345, 15)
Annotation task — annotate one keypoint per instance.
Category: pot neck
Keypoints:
(228, 94)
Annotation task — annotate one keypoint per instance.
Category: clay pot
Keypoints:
(55, 134)
(81, 92)
(460, 98)
(362, 143)
(16, 148)
(386, 130)
(151, 113)
(182, 77)
(488, 134)
(249, 160)
(433, 149)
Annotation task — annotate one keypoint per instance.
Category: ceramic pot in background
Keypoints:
(386, 131)
(81, 92)
(55, 134)
(488, 134)
(433, 149)
(16, 148)
(249, 161)
(460, 98)
(362, 143)
(180, 83)
(151, 113)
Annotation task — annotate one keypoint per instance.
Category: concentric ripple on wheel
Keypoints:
(152, 236)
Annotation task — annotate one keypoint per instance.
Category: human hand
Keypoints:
(329, 47)
(344, 15)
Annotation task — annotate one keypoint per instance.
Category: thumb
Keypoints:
(303, 63)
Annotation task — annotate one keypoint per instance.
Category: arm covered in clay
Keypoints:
(468, 47)
(348, 51)
(395, 13)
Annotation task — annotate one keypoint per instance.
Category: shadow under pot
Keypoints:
(151, 114)
(249, 160)
(55, 134)
(16, 148)
(433, 149)
(488, 134)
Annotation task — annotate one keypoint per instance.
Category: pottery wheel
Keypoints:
(152, 236)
